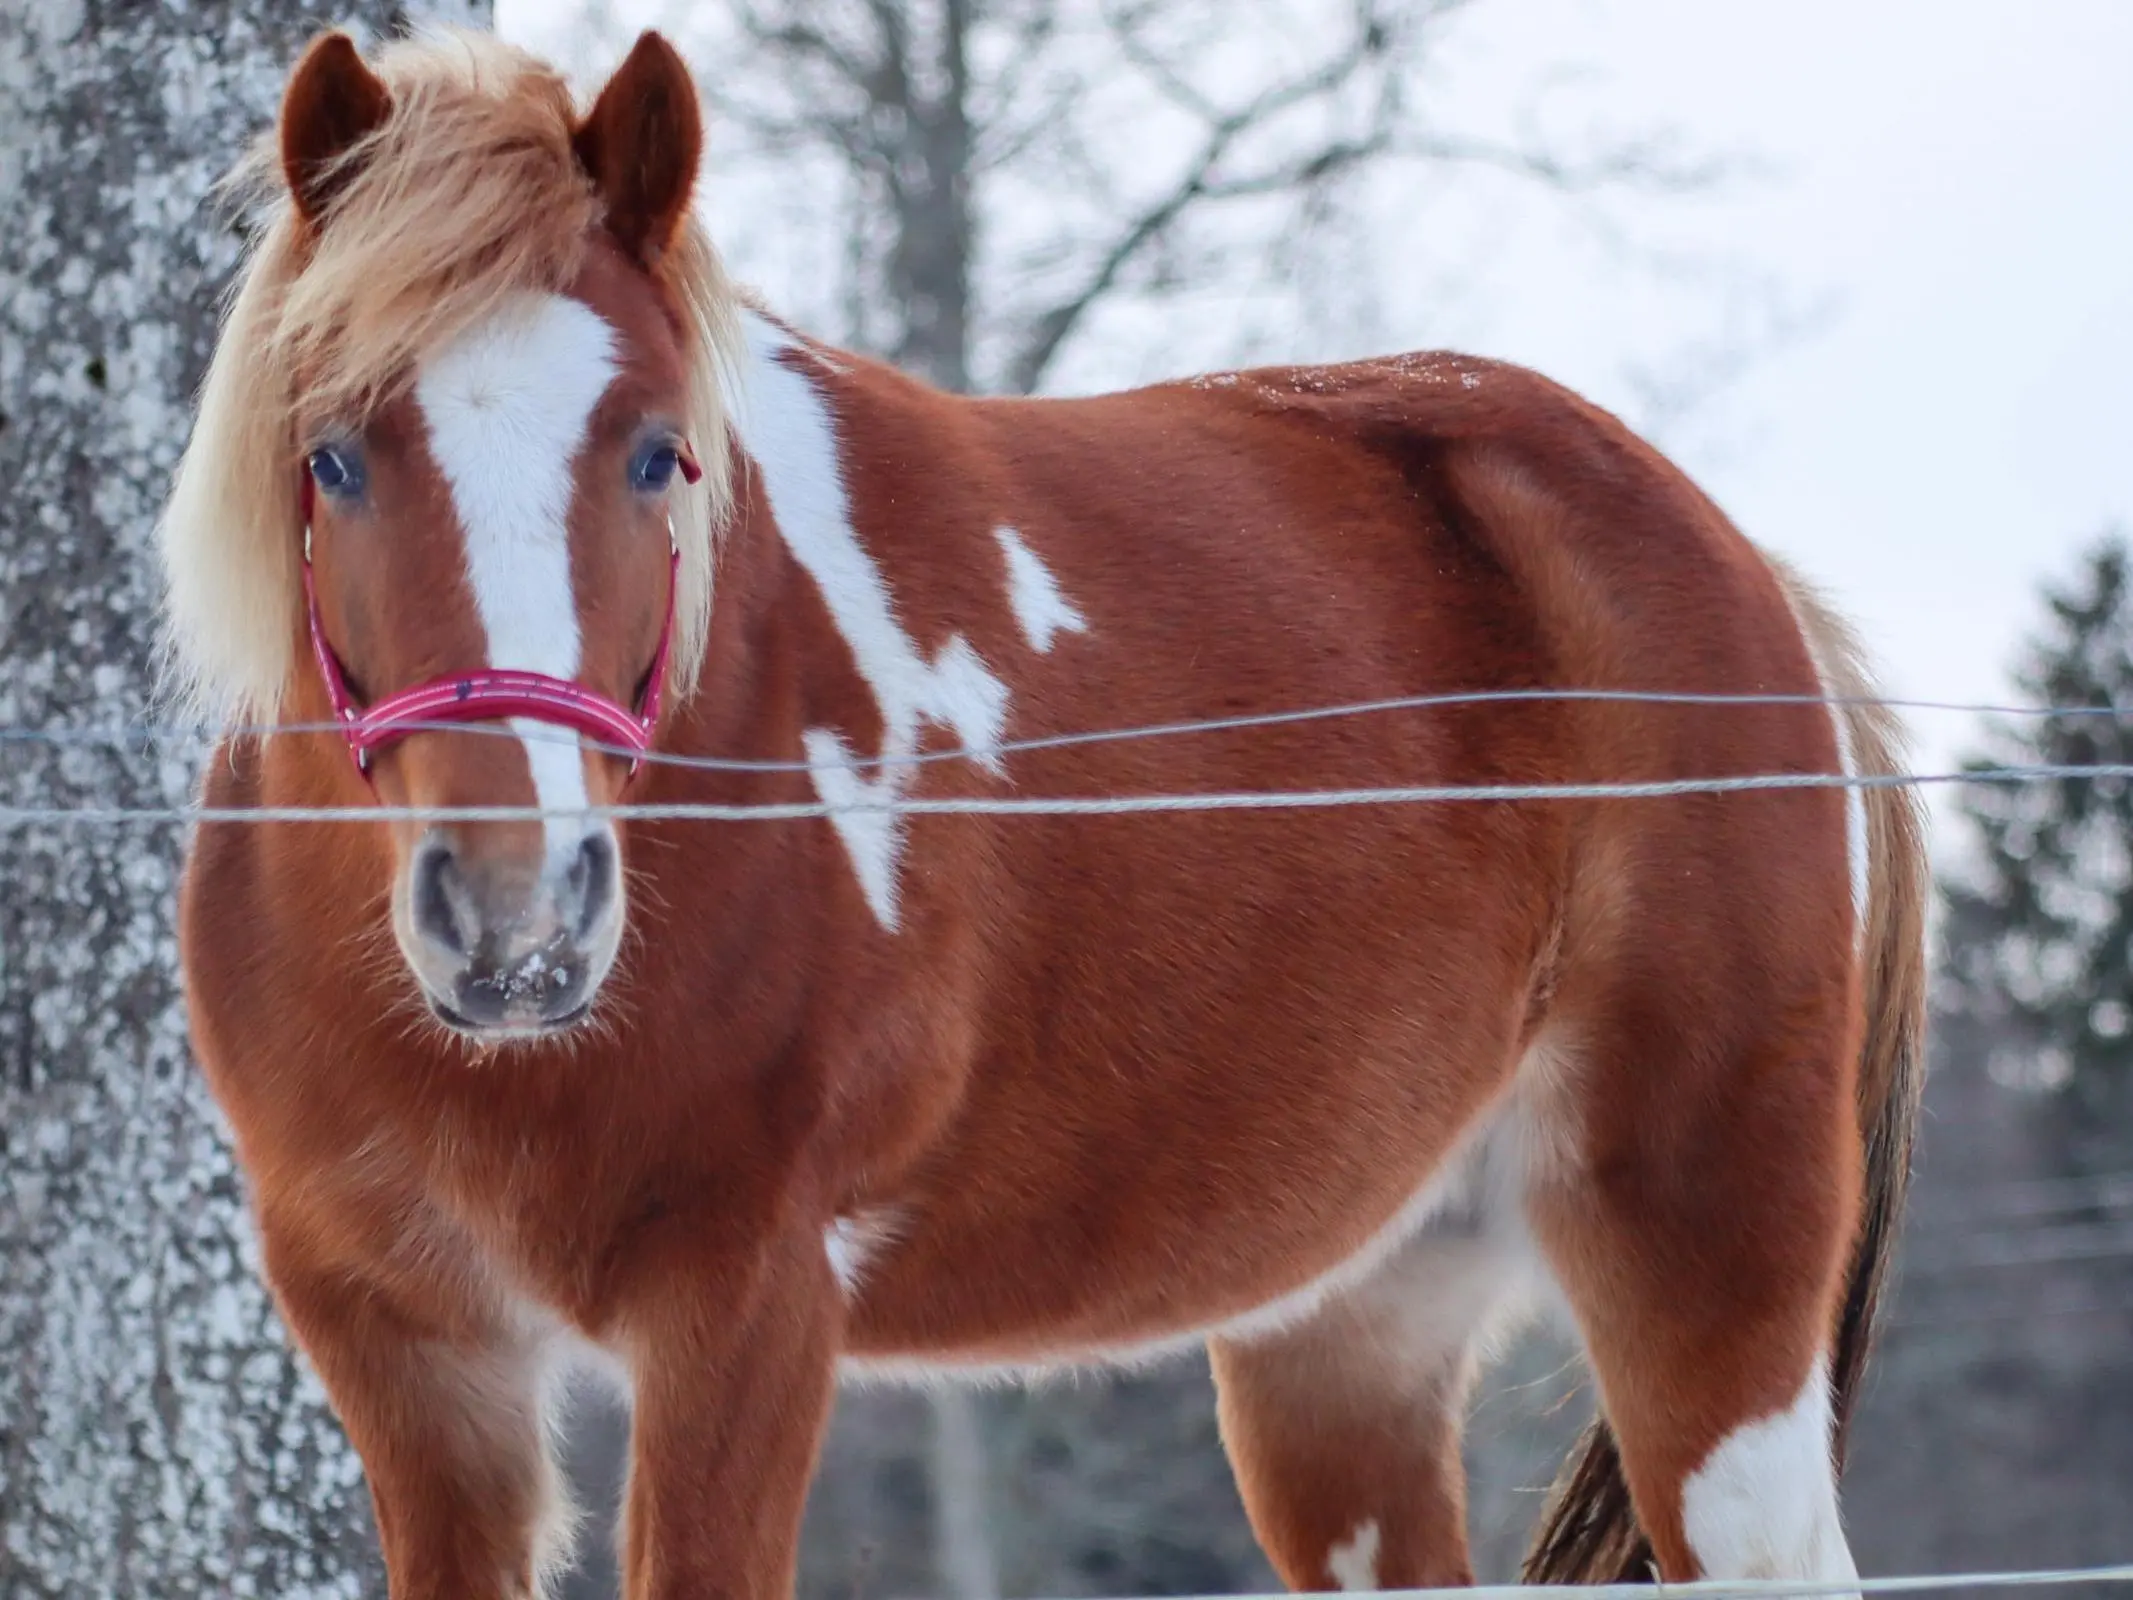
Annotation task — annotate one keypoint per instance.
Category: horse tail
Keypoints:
(1589, 1532)
(1892, 944)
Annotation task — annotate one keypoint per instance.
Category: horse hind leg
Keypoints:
(1700, 1243)
(1344, 1429)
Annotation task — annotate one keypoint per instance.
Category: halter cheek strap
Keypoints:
(490, 694)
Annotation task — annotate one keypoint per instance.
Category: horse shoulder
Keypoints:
(265, 920)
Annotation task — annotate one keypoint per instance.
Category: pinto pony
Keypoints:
(497, 487)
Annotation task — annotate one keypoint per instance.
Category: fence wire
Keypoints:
(71, 816)
(1762, 1589)
(201, 735)
(150, 734)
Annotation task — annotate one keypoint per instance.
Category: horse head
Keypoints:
(493, 325)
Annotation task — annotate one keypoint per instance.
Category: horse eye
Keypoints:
(655, 466)
(332, 471)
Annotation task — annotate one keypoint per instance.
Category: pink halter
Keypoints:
(490, 694)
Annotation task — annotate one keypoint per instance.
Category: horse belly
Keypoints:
(1266, 1261)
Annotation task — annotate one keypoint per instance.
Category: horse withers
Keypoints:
(504, 516)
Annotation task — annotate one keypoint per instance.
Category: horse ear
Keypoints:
(641, 142)
(333, 103)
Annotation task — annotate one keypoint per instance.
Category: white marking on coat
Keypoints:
(510, 1402)
(843, 1252)
(1353, 1563)
(852, 1243)
(1764, 1502)
(785, 426)
(1042, 610)
(507, 405)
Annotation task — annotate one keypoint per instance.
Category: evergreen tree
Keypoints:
(2038, 941)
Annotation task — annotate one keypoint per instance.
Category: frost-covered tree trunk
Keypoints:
(157, 1438)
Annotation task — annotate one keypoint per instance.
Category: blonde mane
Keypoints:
(469, 195)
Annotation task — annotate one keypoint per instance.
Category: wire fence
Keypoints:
(889, 802)
(2035, 1208)
(1767, 1589)
(2039, 1197)
(203, 735)
(18, 816)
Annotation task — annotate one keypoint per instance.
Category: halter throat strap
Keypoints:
(491, 694)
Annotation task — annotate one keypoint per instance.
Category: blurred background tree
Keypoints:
(1013, 195)
(1999, 1425)
(2039, 930)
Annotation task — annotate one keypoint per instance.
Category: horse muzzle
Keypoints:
(503, 947)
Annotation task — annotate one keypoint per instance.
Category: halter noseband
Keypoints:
(491, 694)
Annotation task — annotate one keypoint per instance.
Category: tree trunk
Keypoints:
(929, 181)
(962, 1520)
(157, 1436)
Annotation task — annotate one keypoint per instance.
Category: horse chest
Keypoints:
(504, 1209)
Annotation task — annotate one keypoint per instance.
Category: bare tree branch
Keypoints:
(799, 40)
(1651, 164)
(992, 204)
(1050, 329)
(993, 112)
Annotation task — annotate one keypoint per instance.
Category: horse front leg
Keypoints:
(734, 1365)
(441, 1390)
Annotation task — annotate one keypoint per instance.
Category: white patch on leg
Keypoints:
(1353, 1563)
(500, 1408)
(786, 428)
(1042, 611)
(507, 405)
(1764, 1502)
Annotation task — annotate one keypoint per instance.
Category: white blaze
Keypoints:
(507, 405)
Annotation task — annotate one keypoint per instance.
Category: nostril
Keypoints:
(438, 895)
(592, 883)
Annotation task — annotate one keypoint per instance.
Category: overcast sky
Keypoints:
(1960, 175)
(1953, 177)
